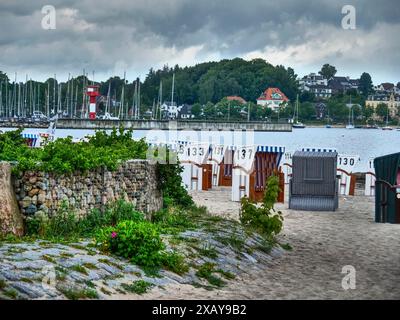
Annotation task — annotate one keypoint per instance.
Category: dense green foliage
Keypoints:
(263, 218)
(328, 71)
(66, 225)
(139, 242)
(102, 150)
(213, 81)
(65, 156)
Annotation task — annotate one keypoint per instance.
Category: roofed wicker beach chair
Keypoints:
(387, 189)
(314, 185)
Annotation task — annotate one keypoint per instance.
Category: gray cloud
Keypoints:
(112, 36)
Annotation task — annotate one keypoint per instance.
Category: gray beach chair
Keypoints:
(314, 185)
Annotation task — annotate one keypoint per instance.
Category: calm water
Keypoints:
(365, 143)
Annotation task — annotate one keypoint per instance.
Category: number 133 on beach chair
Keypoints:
(196, 173)
(252, 166)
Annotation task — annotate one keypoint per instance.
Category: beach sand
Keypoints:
(323, 243)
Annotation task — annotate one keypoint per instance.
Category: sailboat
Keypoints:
(387, 127)
(328, 125)
(351, 118)
(296, 123)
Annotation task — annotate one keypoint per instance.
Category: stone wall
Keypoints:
(134, 181)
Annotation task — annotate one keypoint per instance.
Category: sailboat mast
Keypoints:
(173, 89)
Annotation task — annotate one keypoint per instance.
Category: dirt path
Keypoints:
(323, 243)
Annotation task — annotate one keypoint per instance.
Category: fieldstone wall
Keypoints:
(134, 181)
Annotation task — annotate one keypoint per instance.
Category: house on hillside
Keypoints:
(185, 112)
(170, 110)
(312, 79)
(319, 91)
(342, 84)
(272, 98)
(236, 98)
(391, 100)
(385, 87)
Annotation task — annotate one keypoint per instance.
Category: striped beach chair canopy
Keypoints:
(31, 139)
(280, 151)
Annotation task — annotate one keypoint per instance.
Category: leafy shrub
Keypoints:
(138, 241)
(113, 214)
(102, 150)
(173, 220)
(174, 262)
(170, 182)
(263, 218)
(65, 224)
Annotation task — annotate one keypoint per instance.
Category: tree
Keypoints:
(368, 112)
(328, 71)
(196, 110)
(209, 110)
(366, 84)
(382, 110)
(3, 77)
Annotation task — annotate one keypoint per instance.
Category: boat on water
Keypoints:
(351, 116)
(296, 123)
(387, 127)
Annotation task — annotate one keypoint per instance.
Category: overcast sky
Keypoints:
(110, 36)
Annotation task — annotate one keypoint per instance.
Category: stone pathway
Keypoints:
(44, 270)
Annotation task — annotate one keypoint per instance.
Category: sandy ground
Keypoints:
(323, 243)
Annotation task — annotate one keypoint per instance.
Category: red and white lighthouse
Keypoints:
(93, 93)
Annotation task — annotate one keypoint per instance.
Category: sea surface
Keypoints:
(365, 143)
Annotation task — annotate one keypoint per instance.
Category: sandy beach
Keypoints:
(323, 243)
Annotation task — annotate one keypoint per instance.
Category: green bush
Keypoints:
(102, 150)
(264, 218)
(173, 220)
(170, 182)
(174, 262)
(138, 241)
(65, 224)
(113, 214)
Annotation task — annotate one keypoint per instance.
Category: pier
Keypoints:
(182, 125)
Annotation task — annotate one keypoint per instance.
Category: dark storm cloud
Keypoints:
(135, 34)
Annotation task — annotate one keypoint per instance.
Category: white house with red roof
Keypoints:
(272, 98)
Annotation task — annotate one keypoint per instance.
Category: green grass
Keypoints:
(226, 274)
(90, 284)
(66, 255)
(234, 241)
(11, 293)
(175, 262)
(26, 280)
(206, 272)
(80, 269)
(265, 246)
(139, 287)
(90, 266)
(208, 251)
(286, 247)
(3, 284)
(111, 263)
(61, 276)
(105, 291)
(78, 294)
(49, 258)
